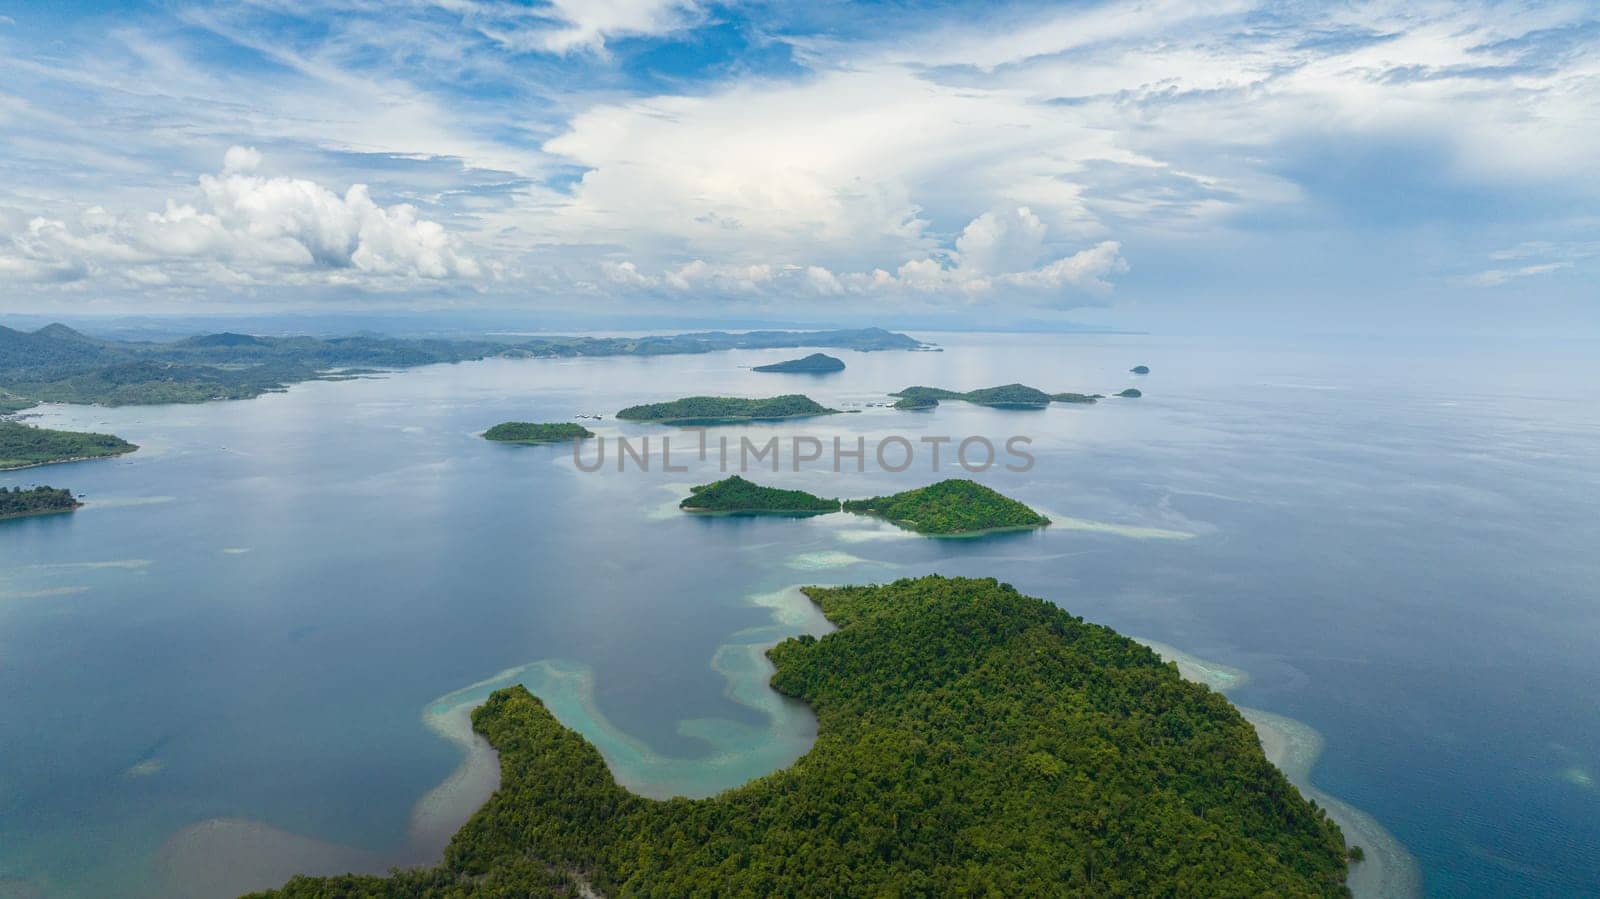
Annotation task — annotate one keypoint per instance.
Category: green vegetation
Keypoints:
(537, 432)
(953, 507)
(717, 409)
(10, 402)
(971, 741)
(1131, 393)
(1076, 397)
(1006, 396)
(58, 364)
(23, 445)
(816, 363)
(1140, 369)
(916, 402)
(17, 502)
(735, 494)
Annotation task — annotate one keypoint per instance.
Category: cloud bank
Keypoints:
(680, 152)
(243, 228)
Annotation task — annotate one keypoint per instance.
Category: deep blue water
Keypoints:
(1396, 540)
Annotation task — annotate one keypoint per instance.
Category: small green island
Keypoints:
(1006, 396)
(950, 508)
(971, 741)
(735, 495)
(816, 363)
(916, 401)
(18, 502)
(536, 432)
(24, 446)
(1140, 369)
(725, 409)
(1131, 393)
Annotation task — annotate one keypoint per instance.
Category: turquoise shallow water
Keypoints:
(254, 615)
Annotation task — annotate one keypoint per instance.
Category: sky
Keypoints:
(1159, 165)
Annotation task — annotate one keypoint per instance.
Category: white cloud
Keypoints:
(978, 272)
(1013, 157)
(241, 159)
(258, 228)
(1495, 277)
(566, 26)
(1004, 242)
(587, 23)
(846, 171)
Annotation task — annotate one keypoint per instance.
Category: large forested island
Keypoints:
(1006, 396)
(18, 502)
(722, 409)
(737, 495)
(22, 446)
(950, 508)
(816, 363)
(536, 432)
(971, 741)
(59, 364)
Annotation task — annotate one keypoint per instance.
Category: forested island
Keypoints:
(1006, 396)
(1131, 393)
(1076, 397)
(23, 446)
(970, 741)
(59, 364)
(537, 432)
(950, 508)
(737, 495)
(18, 502)
(816, 363)
(724, 409)
(1140, 369)
(916, 401)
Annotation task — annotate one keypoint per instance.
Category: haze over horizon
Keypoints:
(1160, 166)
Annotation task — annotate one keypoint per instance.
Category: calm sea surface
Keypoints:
(1400, 543)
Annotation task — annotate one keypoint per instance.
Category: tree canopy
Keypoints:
(17, 501)
(537, 432)
(954, 506)
(971, 741)
(713, 409)
(24, 445)
(735, 494)
(1006, 396)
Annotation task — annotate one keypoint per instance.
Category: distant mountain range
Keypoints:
(58, 364)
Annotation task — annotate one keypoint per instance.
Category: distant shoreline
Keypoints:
(15, 515)
(62, 461)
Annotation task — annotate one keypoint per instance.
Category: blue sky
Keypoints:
(1163, 164)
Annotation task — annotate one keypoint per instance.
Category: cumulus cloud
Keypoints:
(1012, 155)
(258, 228)
(241, 159)
(995, 259)
(1004, 242)
(1170, 120)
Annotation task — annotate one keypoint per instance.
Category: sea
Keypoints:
(253, 650)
